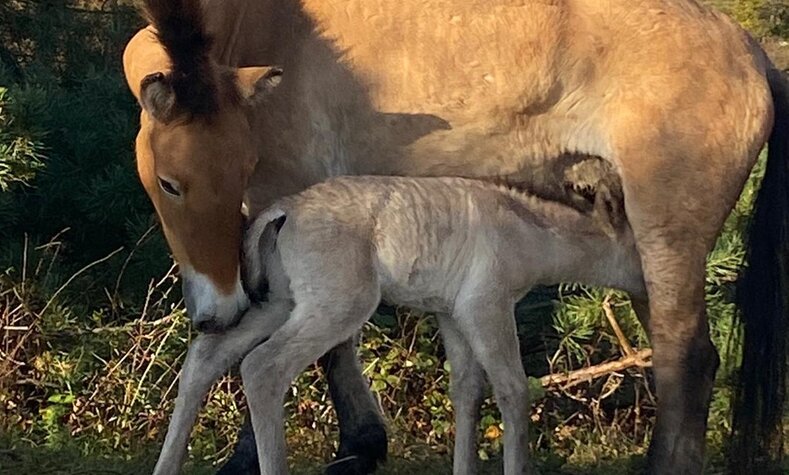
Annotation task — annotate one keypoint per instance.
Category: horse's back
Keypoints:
(434, 56)
(525, 79)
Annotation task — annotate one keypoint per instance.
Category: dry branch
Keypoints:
(639, 359)
(620, 335)
(623, 341)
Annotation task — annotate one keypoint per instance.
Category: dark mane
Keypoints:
(181, 31)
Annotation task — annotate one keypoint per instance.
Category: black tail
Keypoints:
(763, 296)
(180, 28)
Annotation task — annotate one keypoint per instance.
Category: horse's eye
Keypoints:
(169, 187)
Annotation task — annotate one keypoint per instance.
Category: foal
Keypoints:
(464, 249)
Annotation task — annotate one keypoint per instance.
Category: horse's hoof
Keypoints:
(351, 465)
(360, 453)
(236, 466)
(245, 457)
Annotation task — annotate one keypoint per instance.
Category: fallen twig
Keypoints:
(623, 341)
(620, 335)
(639, 359)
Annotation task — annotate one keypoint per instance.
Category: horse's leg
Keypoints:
(487, 321)
(244, 460)
(208, 357)
(319, 322)
(467, 384)
(696, 366)
(362, 431)
(684, 359)
(677, 197)
(363, 442)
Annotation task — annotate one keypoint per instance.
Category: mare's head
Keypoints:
(195, 152)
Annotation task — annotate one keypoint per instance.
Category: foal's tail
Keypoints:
(259, 244)
(763, 296)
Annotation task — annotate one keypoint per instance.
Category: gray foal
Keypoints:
(465, 250)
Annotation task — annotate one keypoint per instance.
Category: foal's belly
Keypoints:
(428, 282)
(427, 292)
(419, 266)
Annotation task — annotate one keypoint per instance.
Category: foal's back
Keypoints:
(430, 236)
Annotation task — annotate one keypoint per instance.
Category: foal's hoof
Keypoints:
(361, 452)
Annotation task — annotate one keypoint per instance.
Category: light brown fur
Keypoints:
(485, 89)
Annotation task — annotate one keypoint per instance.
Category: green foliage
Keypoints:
(67, 126)
(20, 155)
(59, 406)
(761, 17)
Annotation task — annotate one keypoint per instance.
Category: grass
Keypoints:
(19, 458)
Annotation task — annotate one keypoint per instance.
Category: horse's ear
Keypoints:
(255, 83)
(157, 96)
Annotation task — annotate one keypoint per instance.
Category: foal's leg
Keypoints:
(362, 431)
(363, 441)
(488, 324)
(317, 324)
(209, 356)
(467, 383)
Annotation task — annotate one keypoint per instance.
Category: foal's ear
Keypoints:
(259, 244)
(256, 82)
(157, 96)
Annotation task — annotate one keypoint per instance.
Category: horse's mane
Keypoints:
(181, 31)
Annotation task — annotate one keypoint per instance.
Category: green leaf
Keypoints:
(64, 399)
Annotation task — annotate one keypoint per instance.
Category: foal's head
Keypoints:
(195, 153)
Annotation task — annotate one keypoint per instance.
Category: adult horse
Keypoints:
(677, 98)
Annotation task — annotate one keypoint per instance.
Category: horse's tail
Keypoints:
(763, 296)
